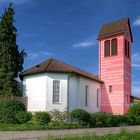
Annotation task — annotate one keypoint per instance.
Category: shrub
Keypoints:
(122, 120)
(23, 117)
(134, 110)
(63, 125)
(9, 109)
(42, 118)
(137, 120)
(102, 120)
(131, 119)
(56, 115)
(81, 115)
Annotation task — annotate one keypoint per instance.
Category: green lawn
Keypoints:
(122, 136)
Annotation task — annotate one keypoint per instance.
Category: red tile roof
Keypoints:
(113, 28)
(55, 66)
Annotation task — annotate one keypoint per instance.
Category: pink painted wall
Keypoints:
(115, 71)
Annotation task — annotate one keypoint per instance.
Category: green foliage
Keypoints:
(23, 117)
(11, 60)
(63, 125)
(121, 136)
(122, 120)
(103, 120)
(110, 120)
(42, 118)
(56, 115)
(134, 110)
(81, 115)
(8, 111)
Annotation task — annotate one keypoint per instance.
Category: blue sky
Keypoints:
(67, 30)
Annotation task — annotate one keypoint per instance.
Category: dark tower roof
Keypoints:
(114, 28)
(54, 66)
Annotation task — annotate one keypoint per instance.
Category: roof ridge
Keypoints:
(114, 28)
(49, 67)
(116, 21)
(51, 59)
(74, 67)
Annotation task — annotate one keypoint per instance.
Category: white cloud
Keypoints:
(35, 55)
(15, 1)
(136, 22)
(86, 43)
(136, 61)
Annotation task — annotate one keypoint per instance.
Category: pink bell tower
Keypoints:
(115, 66)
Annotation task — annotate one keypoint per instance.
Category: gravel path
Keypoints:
(34, 135)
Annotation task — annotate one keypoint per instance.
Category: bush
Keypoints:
(102, 120)
(42, 118)
(56, 115)
(63, 125)
(23, 117)
(81, 115)
(134, 110)
(8, 111)
(131, 120)
(137, 120)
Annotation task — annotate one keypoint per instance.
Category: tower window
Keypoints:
(127, 48)
(114, 46)
(107, 48)
(127, 98)
(110, 89)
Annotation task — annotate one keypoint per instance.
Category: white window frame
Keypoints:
(54, 102)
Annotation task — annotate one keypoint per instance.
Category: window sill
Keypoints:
(56, 103)
(111, 56)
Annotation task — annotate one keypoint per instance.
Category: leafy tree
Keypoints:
(11, 60)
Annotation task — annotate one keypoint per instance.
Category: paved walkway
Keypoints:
(33, 135)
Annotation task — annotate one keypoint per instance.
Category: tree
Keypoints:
(11, 60)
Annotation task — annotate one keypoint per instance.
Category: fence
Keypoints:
(15, 98)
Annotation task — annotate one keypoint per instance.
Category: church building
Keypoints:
(53, 84)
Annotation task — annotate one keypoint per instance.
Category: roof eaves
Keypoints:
(108, 35)
(92, 78)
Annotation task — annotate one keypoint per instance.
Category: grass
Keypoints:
(121, 136)
(31, 125)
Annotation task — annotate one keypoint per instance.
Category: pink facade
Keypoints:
(115, 71)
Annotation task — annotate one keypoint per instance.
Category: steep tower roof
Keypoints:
(114, 28)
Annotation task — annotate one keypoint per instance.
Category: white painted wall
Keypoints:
(39, 89)
(35, 90)
(77, 94)
(93, 86)
(62, 106)
(73, 92)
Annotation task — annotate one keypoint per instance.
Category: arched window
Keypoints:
(114, 46)
(56, 91)
(128, 49)
(107, 48)
(125, 47)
